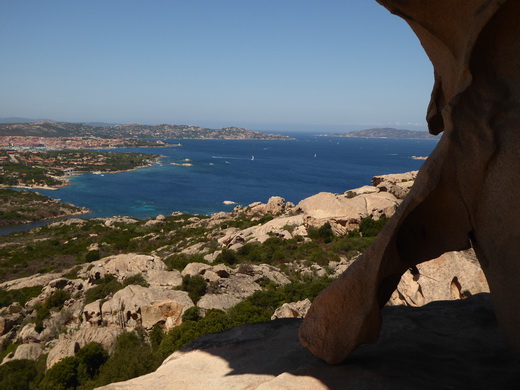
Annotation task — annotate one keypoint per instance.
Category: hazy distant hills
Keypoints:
(104, 130)
(385, 132)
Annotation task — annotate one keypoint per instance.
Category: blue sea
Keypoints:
(242, 171)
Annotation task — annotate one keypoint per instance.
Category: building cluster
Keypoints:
(29, 142)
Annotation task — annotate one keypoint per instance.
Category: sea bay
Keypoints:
(208, 172)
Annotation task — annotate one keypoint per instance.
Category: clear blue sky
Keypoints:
(268, 65)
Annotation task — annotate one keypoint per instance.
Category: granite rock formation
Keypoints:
(414, 352)
(465, 195)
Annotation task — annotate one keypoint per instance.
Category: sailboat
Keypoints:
(252, 158)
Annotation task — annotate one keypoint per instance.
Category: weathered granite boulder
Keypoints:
(30, 351)
(140, 306)
(218, 301)
(162, 278)
(466, 193)
(398, 184)
(239, 285)
(328, 205)
(29, 281)
(443, 345)
(454, 275)
(292, 310)
(123, 266)
(193, 269)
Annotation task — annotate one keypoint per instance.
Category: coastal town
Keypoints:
(34, 142)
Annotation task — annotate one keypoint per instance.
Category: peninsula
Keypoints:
(386, 132)
(131, 131)
(49, 169)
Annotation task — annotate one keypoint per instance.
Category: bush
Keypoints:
(323, 233)
(192, 314)
(132, 357)
(195, 286)
(21, 295)
(91, 357)
(227, 256)
(137, 280)
(92, 256)
(18, 375)
(369, 227)
(106, 286)
(62, 376)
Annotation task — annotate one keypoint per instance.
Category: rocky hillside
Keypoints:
(135, 130)
(133, 292)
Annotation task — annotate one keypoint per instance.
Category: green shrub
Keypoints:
(18, 375)
(137, 280)
(57, 299)
(91, 358)
(195, 286)
(369, 227)
(21, 295)
(157, 335)
(192, 314)
(62, 376)
(106, 286)
(73, 273)
(227, 256)
(92, 256)
(132, 357)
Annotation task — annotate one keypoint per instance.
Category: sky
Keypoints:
(278, 65)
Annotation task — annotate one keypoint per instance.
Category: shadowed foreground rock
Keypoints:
(467, 192)
(442, 345)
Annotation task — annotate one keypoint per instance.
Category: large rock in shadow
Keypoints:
(443, 345)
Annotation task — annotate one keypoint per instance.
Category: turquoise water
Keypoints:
(242, 172)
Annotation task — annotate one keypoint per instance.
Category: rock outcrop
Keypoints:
(441, 345)
(465, 195)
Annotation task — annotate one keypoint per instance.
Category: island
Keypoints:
(385, 132)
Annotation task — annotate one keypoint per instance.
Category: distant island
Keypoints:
(133, 131)
(385, 132)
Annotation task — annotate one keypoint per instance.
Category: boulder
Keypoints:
(218, 301)
(454, 275)
(276, 205)
(239, 285)
(292, 310)
(125, 309)
(458, 344)
(193, 269)
(161, 278)
(328, 205)
(29, 281)
(30, 351)
(6, 324)
(265, 271)
(162, 312)
(123, 266)
(28, 334)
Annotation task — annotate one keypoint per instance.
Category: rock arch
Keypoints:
(466, 194)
